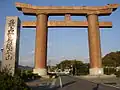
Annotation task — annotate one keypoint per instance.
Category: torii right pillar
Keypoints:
(94, 45)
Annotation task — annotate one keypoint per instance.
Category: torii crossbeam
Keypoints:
(72, 24)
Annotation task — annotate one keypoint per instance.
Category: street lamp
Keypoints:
(2, 52)
(1, 56)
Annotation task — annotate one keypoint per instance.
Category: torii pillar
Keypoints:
(41, 45)
(94, 45)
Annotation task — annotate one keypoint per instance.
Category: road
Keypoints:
(72, 83)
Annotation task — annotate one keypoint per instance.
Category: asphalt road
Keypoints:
(72, 83)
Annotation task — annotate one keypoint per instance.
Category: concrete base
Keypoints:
(40, 71)
(96, 71)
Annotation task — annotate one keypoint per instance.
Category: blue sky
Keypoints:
(63, 43)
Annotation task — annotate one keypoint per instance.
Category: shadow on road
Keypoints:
(39, 88)
(48, 87)
(69, 83)
(44, 88)
(96, 88)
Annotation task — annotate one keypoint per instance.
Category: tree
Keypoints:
(111, 59)
(64, 64)
(78, 67)
(110, 62)
(67, 63)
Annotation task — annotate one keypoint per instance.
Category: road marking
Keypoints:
(60, 81)
(53, 83)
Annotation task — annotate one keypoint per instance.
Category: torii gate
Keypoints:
(42, 24)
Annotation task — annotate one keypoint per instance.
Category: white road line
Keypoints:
(60, 81)
(53, 83)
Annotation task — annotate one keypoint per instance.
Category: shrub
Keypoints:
(109, 71)
(9, 82)
(27, 75)
(117, 73)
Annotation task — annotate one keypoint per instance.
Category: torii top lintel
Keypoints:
(61, 10)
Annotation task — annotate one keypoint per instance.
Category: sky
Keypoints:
(63, 43)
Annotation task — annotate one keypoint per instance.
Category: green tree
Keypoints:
(64, 64)
(67, 63)
(111, 59)
(78, 67)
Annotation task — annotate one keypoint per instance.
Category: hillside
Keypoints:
(22, 67)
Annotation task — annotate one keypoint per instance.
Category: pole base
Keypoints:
(96, 71)
(40, 71)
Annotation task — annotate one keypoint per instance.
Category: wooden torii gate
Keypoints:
(42, 24)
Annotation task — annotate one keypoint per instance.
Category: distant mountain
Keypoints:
(25, 67)
(22, 67)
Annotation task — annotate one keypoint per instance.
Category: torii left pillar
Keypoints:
(41, 45)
